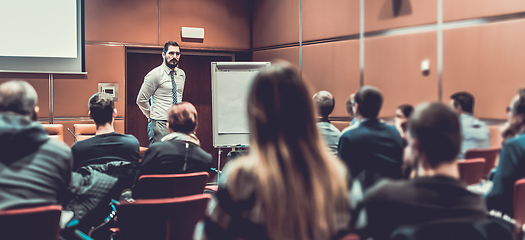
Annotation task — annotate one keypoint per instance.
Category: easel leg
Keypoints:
(219, 165)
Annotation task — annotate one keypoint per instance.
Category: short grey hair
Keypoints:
(18, 97)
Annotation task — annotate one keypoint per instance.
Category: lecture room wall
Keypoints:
(481, 48)
(111, 25)
(482, 51)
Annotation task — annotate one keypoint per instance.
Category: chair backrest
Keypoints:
(489, 154)
(471, 170)
(170, 185)
(85, 131)
(142, 150)
(519, 201)
(31, 223)
(55, 131)
(483, 229)
(169, 218)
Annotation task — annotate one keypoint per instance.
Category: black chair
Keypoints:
(485, 229)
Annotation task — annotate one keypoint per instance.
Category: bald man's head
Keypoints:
(325, 103)
(18, 97)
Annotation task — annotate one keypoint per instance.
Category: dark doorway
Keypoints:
(197, 90)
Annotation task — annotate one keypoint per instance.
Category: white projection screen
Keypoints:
(41, 36)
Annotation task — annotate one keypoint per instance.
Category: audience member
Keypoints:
(289, 186)
(403, 112)
(34, 170)
(350, 109)
(107, 145)
(325, 103)
(435, 194)
(511, 165)
(179, 151)
(476, 134)
(372, 150)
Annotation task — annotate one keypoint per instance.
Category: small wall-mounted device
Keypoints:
(109, 88)
(191, 32)
(425, 67)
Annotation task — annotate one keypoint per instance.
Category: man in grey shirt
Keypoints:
(164, 85)
(325, 104)
(476, 133)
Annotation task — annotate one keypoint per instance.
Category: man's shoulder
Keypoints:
(372, 127)
(388, 189)
(470, 121)
(127, 138)
(180, 71)
(86, 143)
(59, 146)
(155, 72)
(58, 149)
(517, 142)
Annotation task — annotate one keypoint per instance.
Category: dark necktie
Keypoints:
(173, 87)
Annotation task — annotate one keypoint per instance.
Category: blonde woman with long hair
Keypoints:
(289, 186)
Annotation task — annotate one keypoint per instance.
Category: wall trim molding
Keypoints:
(145, 45)
(405, 30)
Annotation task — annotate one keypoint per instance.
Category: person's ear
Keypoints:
(520, 117)
(115, 113)
(34, 116)
(356, 109)
(163, 55)
(89, 115)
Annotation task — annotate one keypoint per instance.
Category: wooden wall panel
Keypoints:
(41, 84)
(487, 61)
(104, 64)
(275, 22)
(328, 19)
(130, 21)
(290, 54)
(387, 14)
(333, 67)
(465, 9)
(393, 64)
(225, 22)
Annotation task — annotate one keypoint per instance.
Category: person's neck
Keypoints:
(449, 169)
(359, 117)
(104, 128)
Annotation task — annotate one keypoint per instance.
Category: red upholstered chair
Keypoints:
(471, 170)
(170, 185)
(519, 201)
(85, 131)
(350, 236)
(142, 150)
(168, 218)
(40, 223)
(489, 154)
(55, 131)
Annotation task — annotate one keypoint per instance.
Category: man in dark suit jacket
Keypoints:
(372, 150)
(511, 165)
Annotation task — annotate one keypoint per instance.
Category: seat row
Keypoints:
(167, 206)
